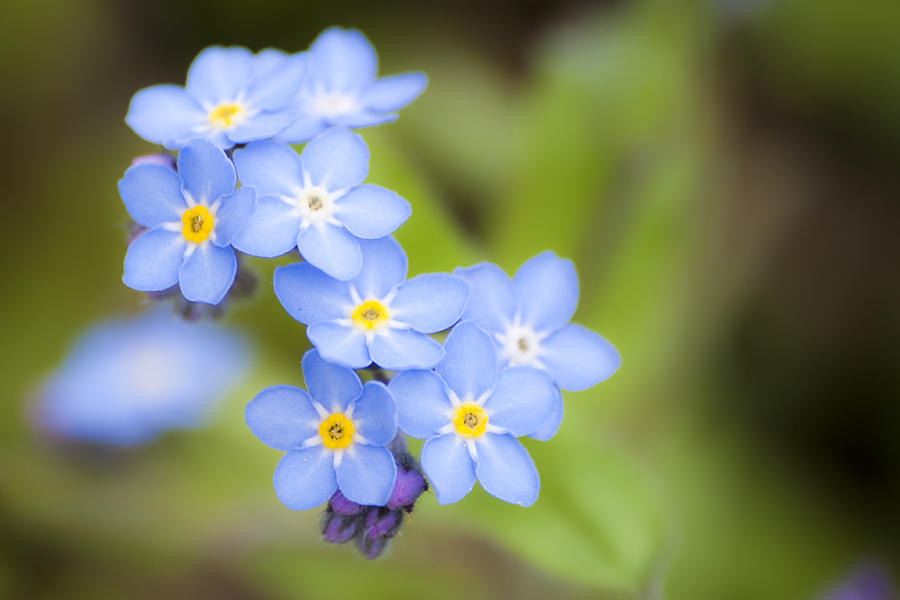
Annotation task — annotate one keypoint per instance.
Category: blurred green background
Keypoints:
(724, 174)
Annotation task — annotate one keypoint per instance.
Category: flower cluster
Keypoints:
(509, 347)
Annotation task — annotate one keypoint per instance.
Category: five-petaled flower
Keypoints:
(528, 318)
(231, 97)
(341, 88)
(334, 436)
(315, 202)
(191, 215)
(376, 316)
(470, 417)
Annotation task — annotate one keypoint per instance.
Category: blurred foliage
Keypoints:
(611, 143)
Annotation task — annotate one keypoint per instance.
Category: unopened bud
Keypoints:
(338, 528)
(342, 506)
(407, 488)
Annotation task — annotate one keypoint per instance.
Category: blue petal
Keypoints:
(219, 74)
(546, 288)
(369, 211)
(338, 159)
(401, 349)
(153, 259)
(261, 126)
(551, 425)
(431, 302)
(217, 137)
(340, 344)
(270, 167)
(361, 118)
(205, 171)
(165, 114)
(447, 465)
(523, 400)
(375, 414)
(505, 470)
(491, 302)
(282, 417)
(332, 249)
(233, 214)
(332, 386)
(305, 478)
(470, 361)
(267, 60)
(366, 474)
(270, 230)
(578, 358)
(383, 268)
(278, 78)
(309, 295)
(207, 274)
(152, 195)
(303, 129)
(388, 94)
(343, 60)
(422, 403)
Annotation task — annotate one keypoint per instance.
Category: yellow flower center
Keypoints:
(470, 420)
(227, 114)
(336, 431)
(197, 223)
(370, 315)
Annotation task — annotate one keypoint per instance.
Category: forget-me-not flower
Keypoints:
(231, 97)
(528, 318)
(191, 215)
(377, 316)
(334, 435)
(470, 417)
(316, 201)
(341, 88)
(126, 381)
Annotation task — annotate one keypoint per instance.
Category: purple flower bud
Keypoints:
(164, 160)
(407, 488)
(371, 548)
(338, 529)
(342, 506)
(381, 523)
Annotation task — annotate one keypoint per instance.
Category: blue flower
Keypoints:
(866, 582)
(341, 88)
(126, 381)
(231, 97)
(191, 216)
(315, 201)
(377, 316)
(470, 417)
(334, 436)
(528, 318)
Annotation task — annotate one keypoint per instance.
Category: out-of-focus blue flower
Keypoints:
(126, 381)
(869, 582)
(376, 316)
(470, 417)
(191, 216)
(334, 436)
(341, 87)
(315, 201)
(528, 318)
(231, 97)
